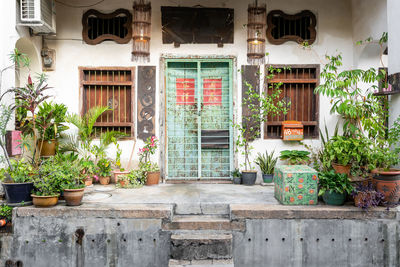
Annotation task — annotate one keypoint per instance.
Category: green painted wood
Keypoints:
(207, 108)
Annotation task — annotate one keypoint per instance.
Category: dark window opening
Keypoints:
(114, 26)
(298, 85)
(299, 28)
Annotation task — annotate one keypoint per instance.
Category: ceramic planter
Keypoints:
(268, 178)
(104, 180)
(45, 201)
(48, 147)
(153, 178)
(88, 181)
(388, 183)
(118, 173)
(237, 180)
(73, 197)
(334, 198)
(18, 192)
(249, 177)
(342, 169)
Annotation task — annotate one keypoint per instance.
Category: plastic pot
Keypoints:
(334, 198)
(18, 192)
(268, 178)
(249, 177)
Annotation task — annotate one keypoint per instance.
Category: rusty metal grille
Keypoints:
(298, 85)
(112, 88)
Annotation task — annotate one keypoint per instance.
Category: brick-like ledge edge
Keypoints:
(139, 211)
(263, 211)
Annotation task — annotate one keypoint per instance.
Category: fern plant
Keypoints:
(266, 162)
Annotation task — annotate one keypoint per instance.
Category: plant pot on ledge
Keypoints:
(104, 180)
(343, 169)
(388, 183)
(334, 198)
(73, 197)
(249, 177)
(117, 173)
(48, 148)
(153, 178)
(17, 193)
(45, 201)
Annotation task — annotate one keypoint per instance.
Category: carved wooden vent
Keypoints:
(299, 28)
(99, 27)
(112, 87)
(298, 84)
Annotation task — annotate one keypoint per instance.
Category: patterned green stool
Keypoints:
(296, 185)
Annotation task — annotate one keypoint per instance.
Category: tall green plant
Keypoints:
(261, 106)
(267, 162)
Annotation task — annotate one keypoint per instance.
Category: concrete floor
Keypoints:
(182, 193)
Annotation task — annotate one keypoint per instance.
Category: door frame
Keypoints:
(163, 108)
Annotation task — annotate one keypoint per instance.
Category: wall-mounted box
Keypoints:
(13, 140)
(292, 131)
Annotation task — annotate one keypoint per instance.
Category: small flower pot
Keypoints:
(45, 201)
(342, 169)
(153, 178)
(249, 177)
(237, 180)
(104, 180)
(73, 197)
(88, 181)
(118, 173)
(388, 183)
(268, 178)
(48, 147)
(122, 183)
(334, 198)
(18, 192)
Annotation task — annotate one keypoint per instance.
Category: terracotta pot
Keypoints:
(44, 201)
(343, 169)
(388, 183)
(117, 173)
(104, 180)
(73, 197)
(88, 181)
(48, 148)
(153, 178)
(360, 195)
(122, 183)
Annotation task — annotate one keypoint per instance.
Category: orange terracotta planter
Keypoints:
(342, 169)
(388, 183)
(153, 178)
(48, 148)
(105, 180)
(73, 197)
(88, 181)
(45, 201)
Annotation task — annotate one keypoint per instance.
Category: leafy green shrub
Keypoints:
(334, 182)
(236, 173)
(20, 171)
(295, 157)
(6, 212)
(104, 167)
(266, 162)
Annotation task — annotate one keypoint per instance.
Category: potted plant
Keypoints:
(104, 171)
(260, 107)
(237, 176)
(47, 184)
(73, 185)
(334, 187)
(267, 163)
(365, 196)
(295, 157)
(17, 181)
(5, 215)
(119, 170)
(151, 169)
(88, 169)
(50, 118)
(123, 180)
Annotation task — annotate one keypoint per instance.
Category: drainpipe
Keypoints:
(393, 14)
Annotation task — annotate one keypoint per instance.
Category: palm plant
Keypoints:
(266, 162)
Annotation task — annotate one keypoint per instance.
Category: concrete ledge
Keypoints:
(263, 211)
(139, 211)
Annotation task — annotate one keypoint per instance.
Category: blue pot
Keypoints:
(268, 178)
(18, 192)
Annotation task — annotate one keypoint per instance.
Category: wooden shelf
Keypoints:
(387, 93)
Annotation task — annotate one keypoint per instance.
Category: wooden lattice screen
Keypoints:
(298, 85)
(112, 87)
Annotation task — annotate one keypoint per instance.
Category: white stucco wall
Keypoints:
(338, 26)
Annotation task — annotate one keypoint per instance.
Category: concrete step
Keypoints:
(192, 246)
(203, 222)
(203, 208)
(201, 263)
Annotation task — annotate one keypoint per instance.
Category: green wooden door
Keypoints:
(199, 111)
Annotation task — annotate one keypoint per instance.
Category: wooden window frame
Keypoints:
(315, 81)
(131, 83)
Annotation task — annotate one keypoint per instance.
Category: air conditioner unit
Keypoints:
(39, 15)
